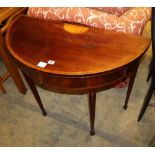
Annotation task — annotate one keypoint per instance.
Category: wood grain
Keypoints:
(85, 62)
(33, 40)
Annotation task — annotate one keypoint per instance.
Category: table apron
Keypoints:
(78, 84)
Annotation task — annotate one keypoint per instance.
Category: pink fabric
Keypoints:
(118, 11)
(132, 21)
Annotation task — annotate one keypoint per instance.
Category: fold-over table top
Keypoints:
(89, 51)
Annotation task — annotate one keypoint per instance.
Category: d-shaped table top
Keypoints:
(71, 58)
(82, 51)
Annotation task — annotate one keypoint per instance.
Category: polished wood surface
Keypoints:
(94, 51)
(6, 12)
(10, 17)
(7, 15)
(85, 62)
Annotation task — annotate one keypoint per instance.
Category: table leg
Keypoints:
(12, 69)
(150, 71)
(130, 85)
(92, 105)
(2, 89)
(147, 100)
(35, 93)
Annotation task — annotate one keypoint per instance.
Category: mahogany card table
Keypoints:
(73, 59)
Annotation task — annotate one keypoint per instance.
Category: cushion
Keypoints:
(118, 11)
(132, 21)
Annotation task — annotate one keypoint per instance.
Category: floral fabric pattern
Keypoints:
(118, 11)
(132, 20)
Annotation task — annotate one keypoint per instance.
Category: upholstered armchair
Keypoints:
(120, 19)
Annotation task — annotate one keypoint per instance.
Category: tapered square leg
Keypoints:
(92, 106)
(146, 100)
(35, 93)
(11, 67)
(150, 70)
(130, 85)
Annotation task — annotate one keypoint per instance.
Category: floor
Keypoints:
(67, 123)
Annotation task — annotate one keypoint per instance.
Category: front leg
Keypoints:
(130, 85)
(35, 93)
(92, 106)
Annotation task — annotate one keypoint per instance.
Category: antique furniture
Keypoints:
(7, 14)
(2, 80)
(57, 58)
(121, 19)
(152, 70)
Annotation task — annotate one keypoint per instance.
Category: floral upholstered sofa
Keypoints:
(121, 19)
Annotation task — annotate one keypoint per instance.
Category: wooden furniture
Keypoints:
(151, 74)
(80, 62)
(2, 80)
(7, 14)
